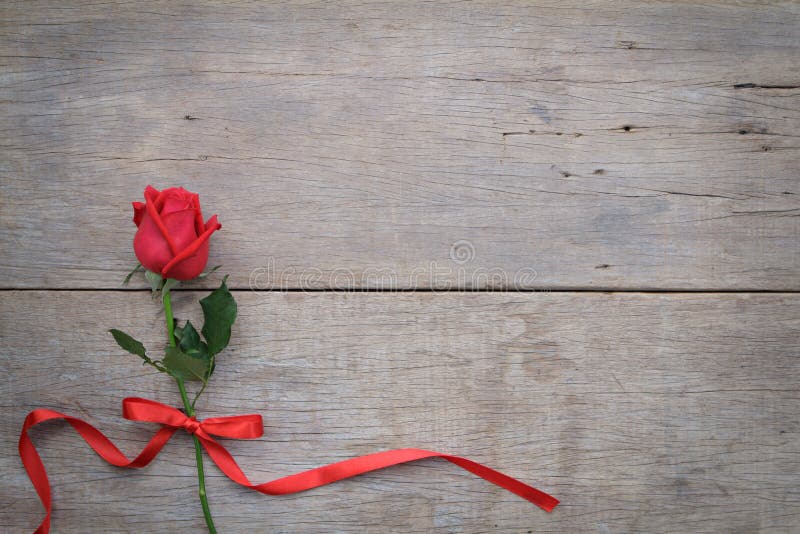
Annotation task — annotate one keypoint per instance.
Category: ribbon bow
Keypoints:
(237, 427)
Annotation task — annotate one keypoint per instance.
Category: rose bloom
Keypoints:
(172, 238)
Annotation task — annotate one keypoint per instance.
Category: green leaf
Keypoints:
(214, 268)
(155, 281)
(128, 343)
(169, 283)
(135, 347)
(177, 331)
(219, 312)
(130, 274)
(183, 366)
(191, 343)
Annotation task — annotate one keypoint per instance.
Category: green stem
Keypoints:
(170, 320)
(189, 407)
(202, 389)
(201, 478)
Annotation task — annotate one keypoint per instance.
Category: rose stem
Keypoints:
(201, 478)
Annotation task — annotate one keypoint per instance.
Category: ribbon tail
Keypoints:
(330, 473)
(539, 498)
(100, 443)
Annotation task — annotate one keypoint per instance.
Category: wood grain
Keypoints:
(642, 412)
(624, 145)
(432, 145)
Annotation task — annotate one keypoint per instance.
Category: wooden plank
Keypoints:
(365, 140)
(642, 412)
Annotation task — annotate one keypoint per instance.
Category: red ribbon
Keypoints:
(238, 427)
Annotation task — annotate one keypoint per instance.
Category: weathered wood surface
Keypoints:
(624, 145)
(609, 145)
(643, 412)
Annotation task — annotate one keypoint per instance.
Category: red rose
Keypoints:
(172, 238)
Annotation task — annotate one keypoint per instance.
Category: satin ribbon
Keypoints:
(237, 427)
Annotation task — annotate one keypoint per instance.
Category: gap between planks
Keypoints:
(415, 290)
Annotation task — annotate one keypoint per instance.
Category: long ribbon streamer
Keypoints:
(238, 427)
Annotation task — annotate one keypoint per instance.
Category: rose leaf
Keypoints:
(128, 343)
(183, 366)
(219, 312)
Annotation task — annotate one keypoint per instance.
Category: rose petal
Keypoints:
(213, 223)
(152, 212)
(191, 261)
(198, 222)
(175, 199)
(180, 227)
(190, 267)
(150, 193)
(151, 249)
(138, 212)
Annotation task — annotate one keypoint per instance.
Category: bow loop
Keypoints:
(236, 426)
(138, 409)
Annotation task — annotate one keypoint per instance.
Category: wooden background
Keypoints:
(615, 183)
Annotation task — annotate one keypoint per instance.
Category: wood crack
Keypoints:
(764, 86)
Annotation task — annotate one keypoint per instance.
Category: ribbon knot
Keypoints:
(235, 426)
(238, 427)
(191, 425)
